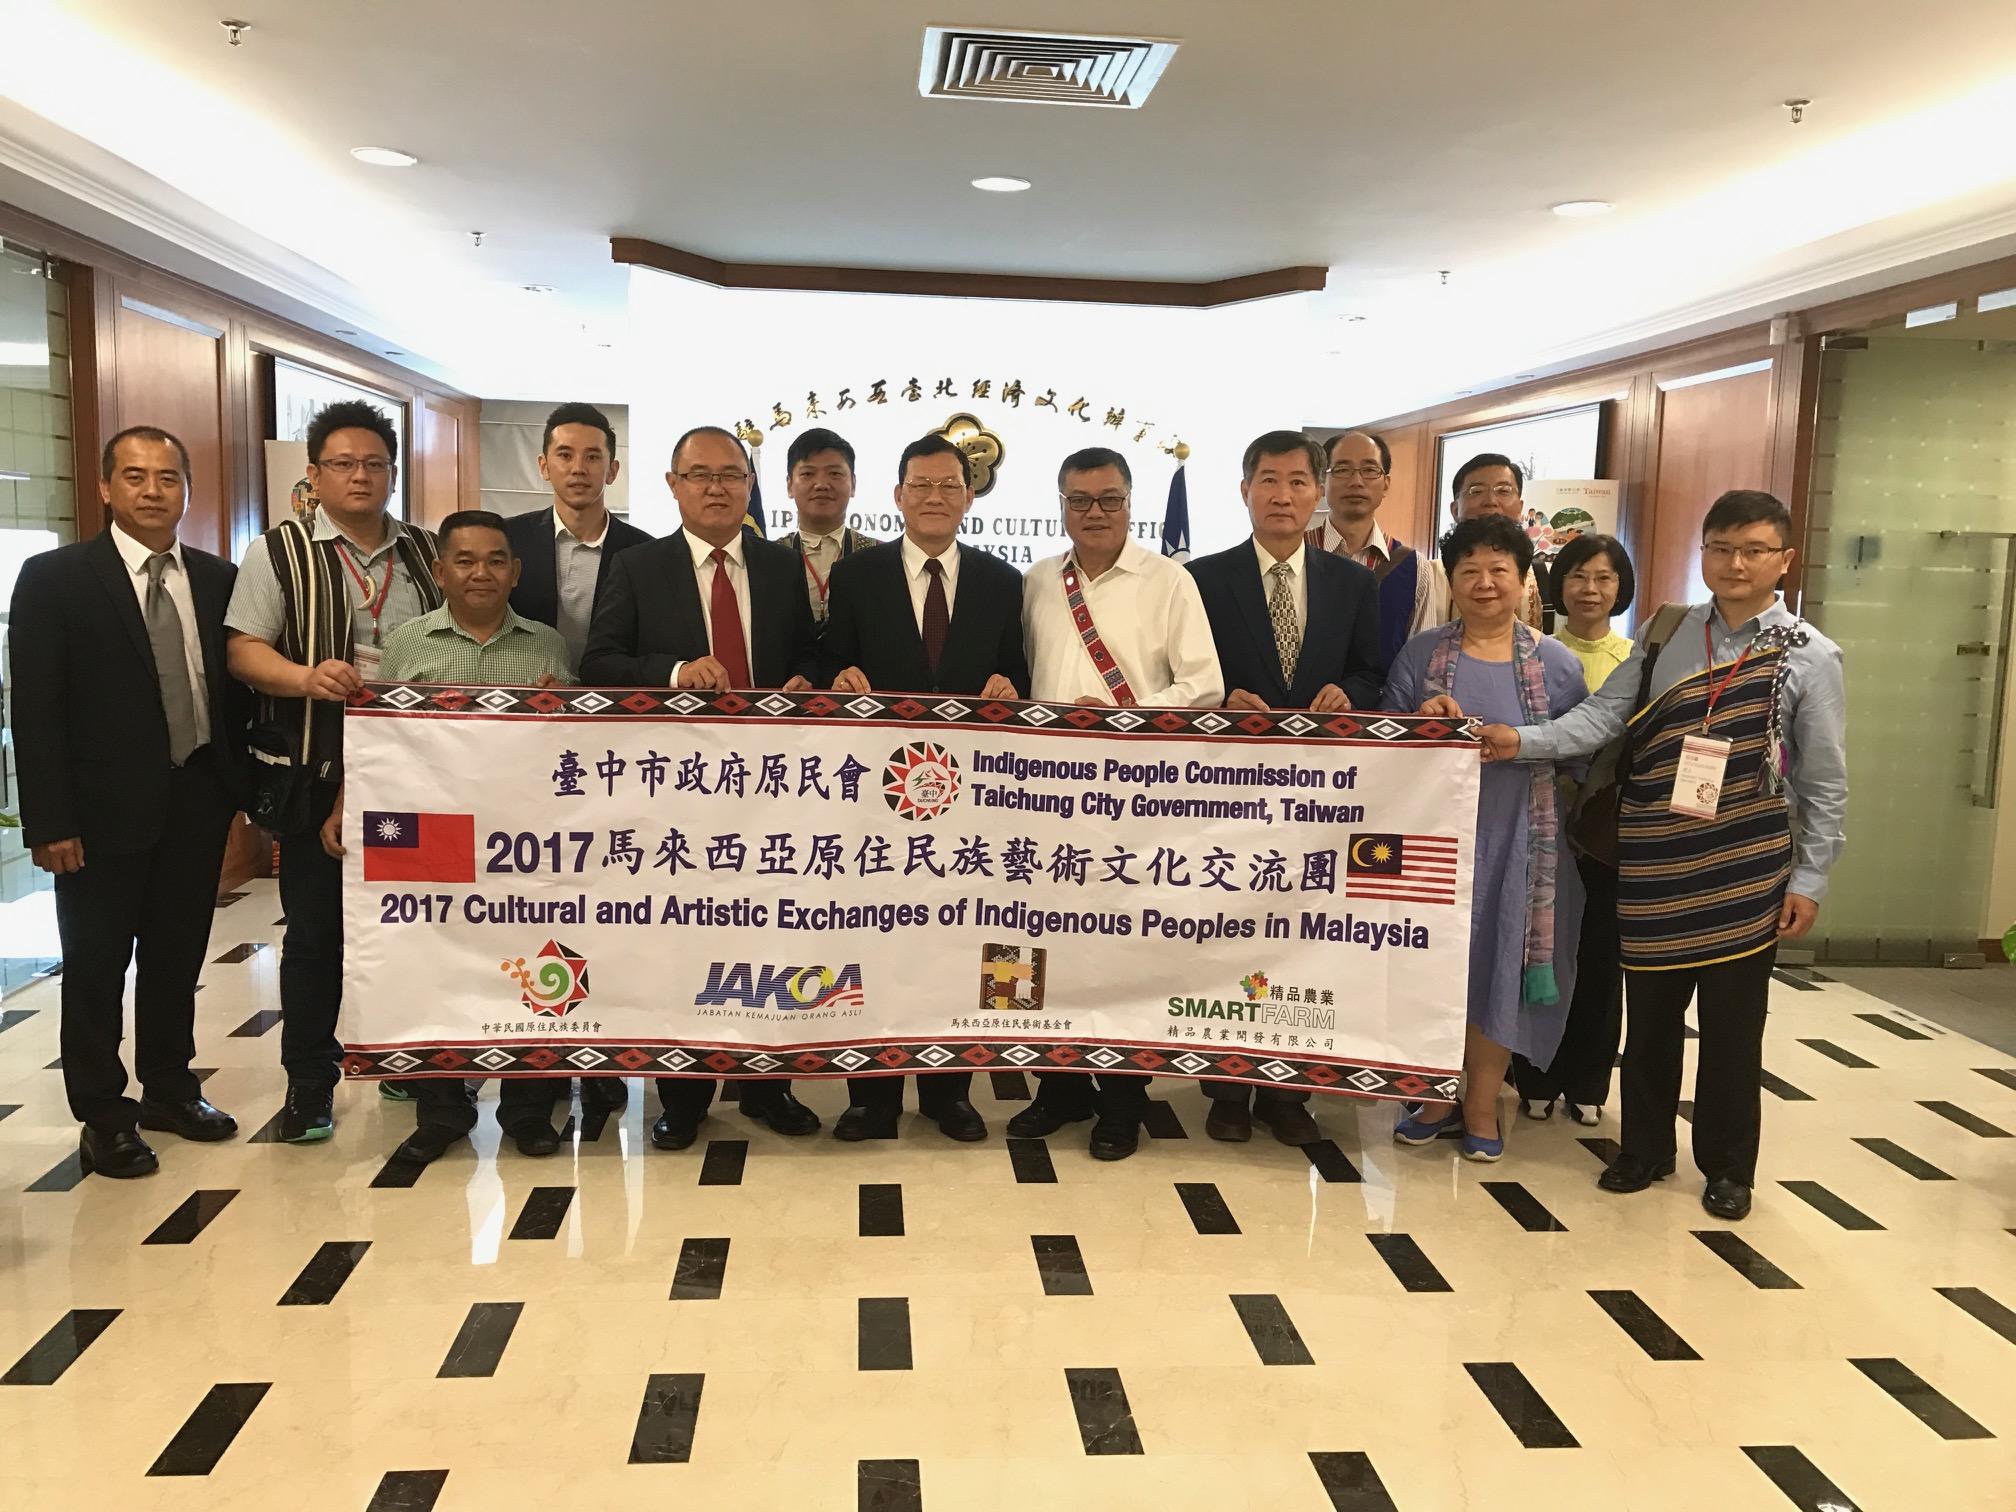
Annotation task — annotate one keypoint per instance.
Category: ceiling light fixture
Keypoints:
(536, 288)
(1582, 209)
(343, 333)
(235, 31)
(1001, 183)
(384, 157)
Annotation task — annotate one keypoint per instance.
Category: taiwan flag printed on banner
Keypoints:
(419, 847)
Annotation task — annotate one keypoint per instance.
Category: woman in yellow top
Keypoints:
(1591, 581)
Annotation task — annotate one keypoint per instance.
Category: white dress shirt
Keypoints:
(738, 578)
(1298, 579)
(822, 551)
(914, 559)
(1148, 612)
(577, 568)
(1431, 584)
(176, 580)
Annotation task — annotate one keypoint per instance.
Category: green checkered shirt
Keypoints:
(434, 649)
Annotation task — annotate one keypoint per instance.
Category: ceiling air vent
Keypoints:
(1041, 68)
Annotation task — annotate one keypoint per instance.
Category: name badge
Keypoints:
(1697, 783)
(365, 659)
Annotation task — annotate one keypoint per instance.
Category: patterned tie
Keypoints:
(937, 619)
(725, 625)
(1281, 610)
(164, 633)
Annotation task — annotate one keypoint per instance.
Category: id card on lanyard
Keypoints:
(1704, 758)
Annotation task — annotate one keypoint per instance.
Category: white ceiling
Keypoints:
(1386, 141)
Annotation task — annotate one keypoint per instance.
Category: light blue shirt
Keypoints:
(1812, 715)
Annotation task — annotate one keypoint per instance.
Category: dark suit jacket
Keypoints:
(871, 625)
(90, 732)
(648, 616)
(1340, 643)
(537, 596)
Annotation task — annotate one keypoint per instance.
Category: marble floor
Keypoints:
(768, 1323)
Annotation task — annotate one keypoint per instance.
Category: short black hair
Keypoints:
(709, 430)
(351, 414)
(1487, 459)
(1279, 443)
(934, 445)
(577, 414)
(475, 519)
(1385, 455)
(108, 464)
(1578, 551)
(814, 441)
(1491, 532)
(1748, 506)
(1091, 458)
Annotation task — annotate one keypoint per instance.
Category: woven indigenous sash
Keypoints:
(1102, 659)
(1694, 892)
(1543, 814)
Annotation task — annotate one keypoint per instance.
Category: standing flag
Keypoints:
(1402, 868)
(419, 847)
(1176, 519)
(753, 520)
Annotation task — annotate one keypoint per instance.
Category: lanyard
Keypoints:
(818, 582)
(1088, 633)
(1716, 690)
(375, 607)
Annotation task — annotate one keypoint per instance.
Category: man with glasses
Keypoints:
(1413, 591)
(924, 615)
(1295, 629)
(1492, 483)
(1745, 731)
(715, 608)
(308, 621)
(1109, 623)
(820, 478)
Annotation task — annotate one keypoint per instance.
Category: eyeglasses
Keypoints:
(1371, 472)
(342, 467)
(923, 488)
(706, 477)
(1492, 490)
(1593, 579)
(1751, 555)
(1081, 503)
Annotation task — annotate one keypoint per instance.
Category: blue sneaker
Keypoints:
(1416, 1130)
(1477, 1147)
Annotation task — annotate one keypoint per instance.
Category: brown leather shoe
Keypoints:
(1229, 1121)
(1290, 1122)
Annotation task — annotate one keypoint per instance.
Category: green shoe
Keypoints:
(393, 1091)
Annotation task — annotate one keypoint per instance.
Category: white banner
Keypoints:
(662, 883)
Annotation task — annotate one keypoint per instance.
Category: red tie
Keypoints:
(936, 619)
(725, 625)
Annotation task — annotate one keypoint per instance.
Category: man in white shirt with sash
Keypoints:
(1109, 623)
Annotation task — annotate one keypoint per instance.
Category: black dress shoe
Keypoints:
(668, 1135)
(1291, 1122)
(857, 1124)
(536, 1136)
(427, 1144)
(310, 1114)
(1044, 1117)
(115, 1152)
(959, 1120)
(1229, 1121)
(783, 1113)
(1727, 1198)
(194, 1119)
(1627, 1173)
(1115, 1138)
(604, 1093)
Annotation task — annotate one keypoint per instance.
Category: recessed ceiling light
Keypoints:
(383, 157)
(1582, 209)
(1001, 183)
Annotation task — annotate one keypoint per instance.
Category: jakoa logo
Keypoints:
(784, 989)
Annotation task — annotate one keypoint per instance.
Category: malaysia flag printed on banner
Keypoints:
(1403, 868)
(419, 847)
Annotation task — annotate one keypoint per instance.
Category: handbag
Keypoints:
(1592, 822)
(283, 791)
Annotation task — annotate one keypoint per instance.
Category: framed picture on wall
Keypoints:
(1559, 444)
(299, 391)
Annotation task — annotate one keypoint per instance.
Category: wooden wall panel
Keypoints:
(169, 371)
(1713, 436)
(435, 486)
(1402, 514)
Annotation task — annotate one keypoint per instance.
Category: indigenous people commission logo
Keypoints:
(921, 780)
(555, 982)
(1012, 977)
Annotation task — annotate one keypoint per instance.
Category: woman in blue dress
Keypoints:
(1526, 899)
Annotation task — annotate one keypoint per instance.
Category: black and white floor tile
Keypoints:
(918, 1326)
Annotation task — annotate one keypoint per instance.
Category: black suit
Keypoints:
(537, 596)
(91, 737)
(872, 624)
(1340, 644)
(648, 619)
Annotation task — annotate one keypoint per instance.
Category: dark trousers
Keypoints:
(158, 903)
(1240, 1093)
(1108, 1094)
(686, 1099)
(1581, 1068)
(311, 956)
(935, 1089)
(1731, 999)
(448, 1102)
